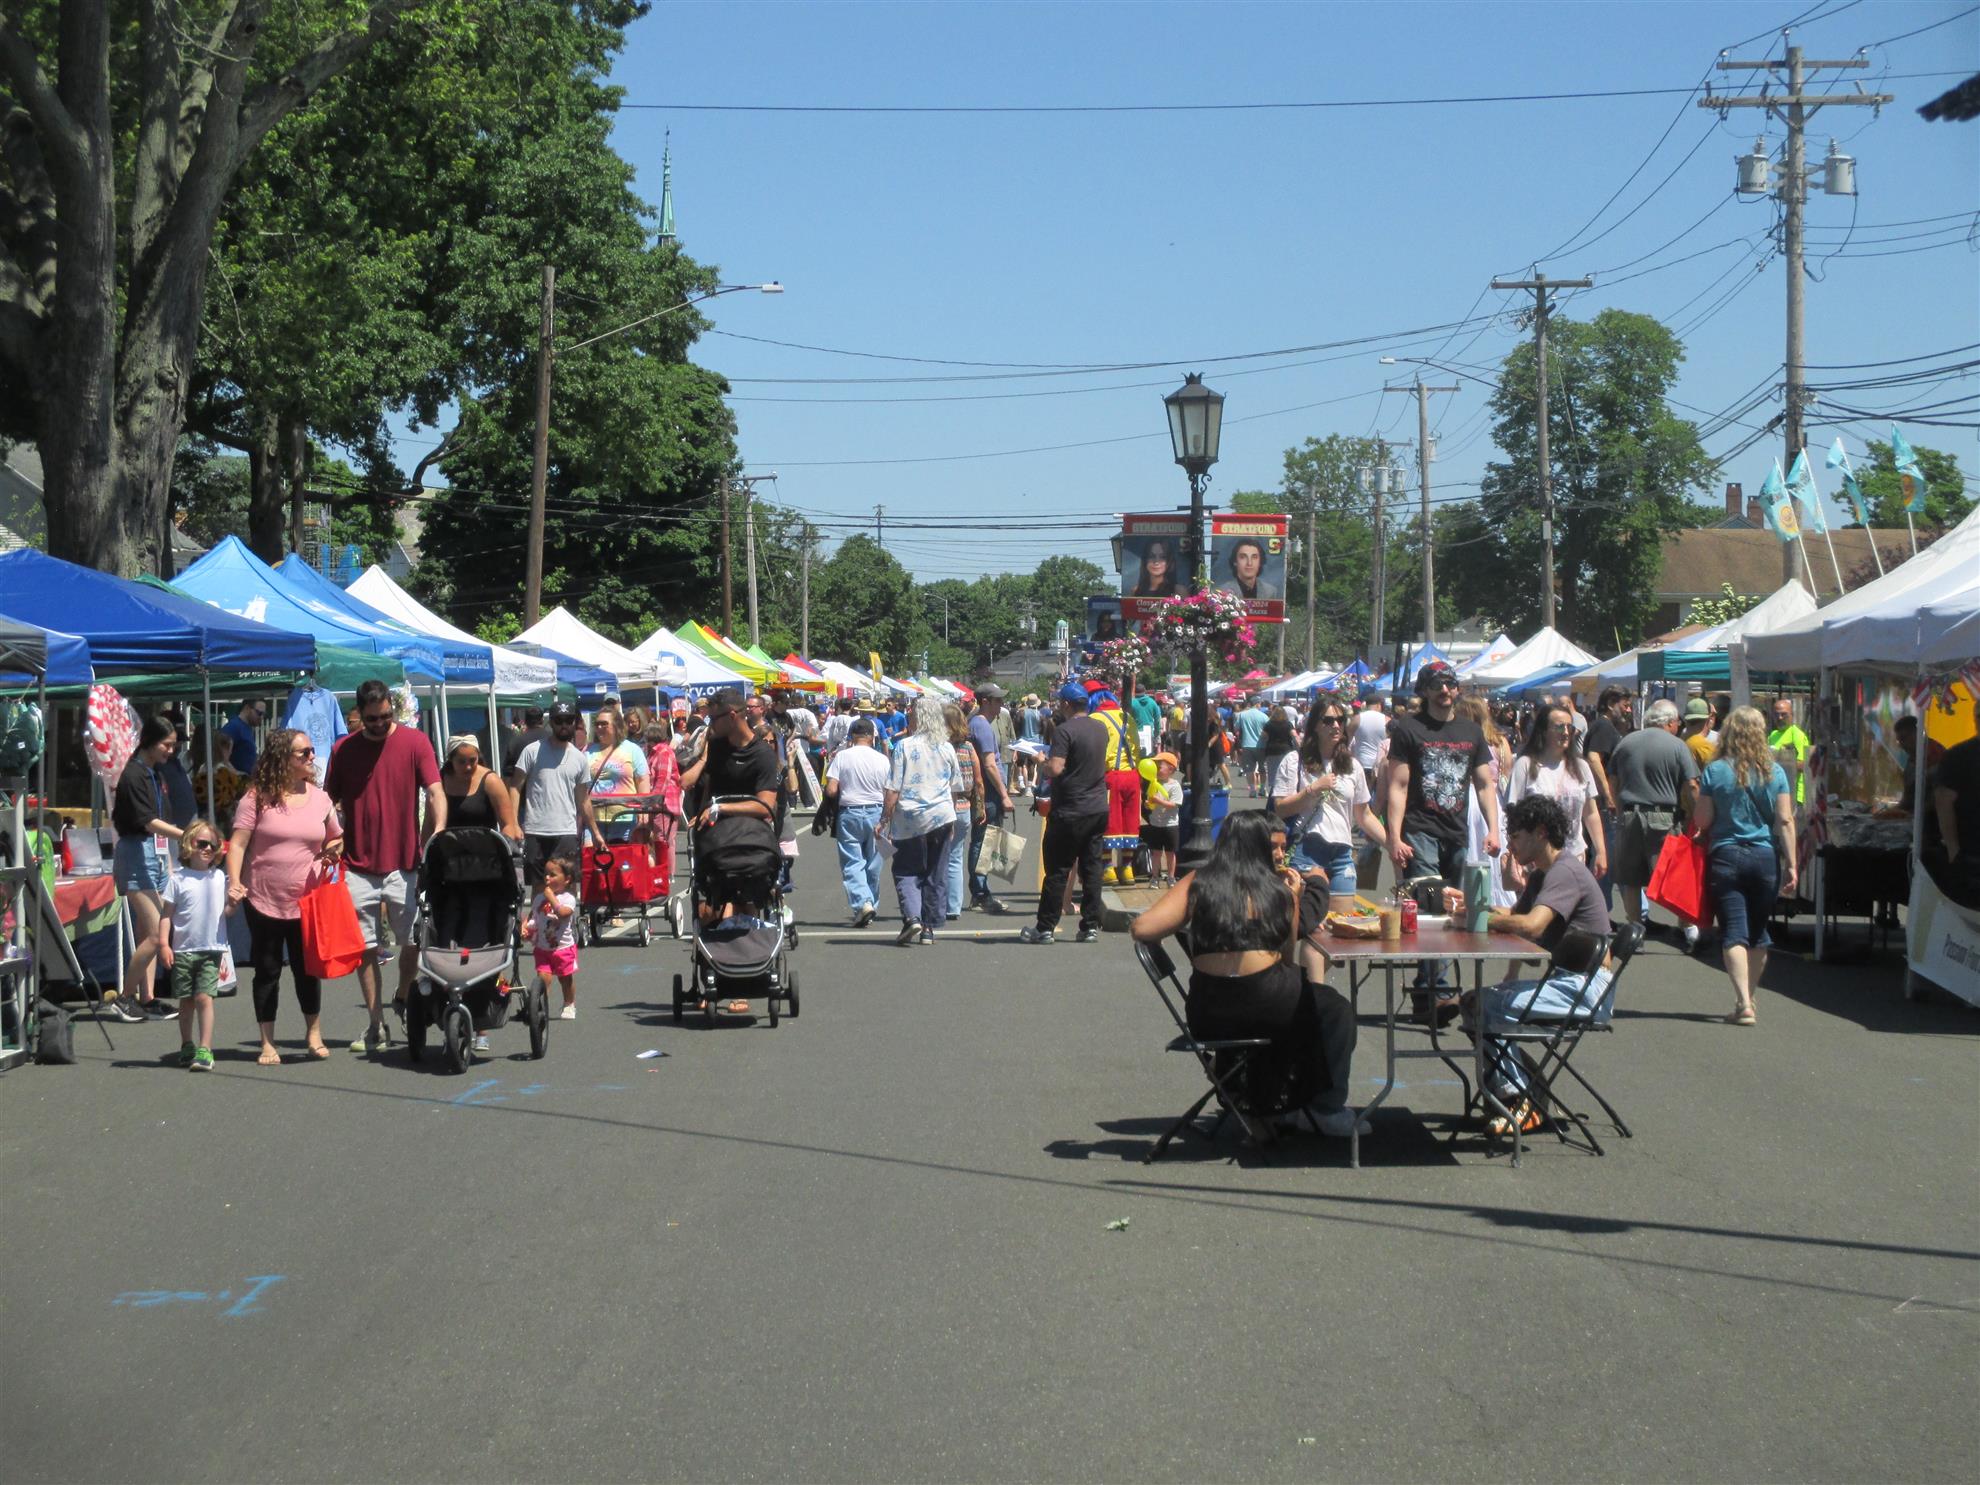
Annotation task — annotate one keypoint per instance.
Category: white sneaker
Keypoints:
(1339, 1124)
(1690, 938)
(568, 1013)
(481, 1042)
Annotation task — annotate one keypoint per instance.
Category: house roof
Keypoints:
(1697, 564)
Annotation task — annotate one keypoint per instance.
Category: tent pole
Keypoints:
(1818, 867)
(206, 737)
(494, 731)
(1919, 804)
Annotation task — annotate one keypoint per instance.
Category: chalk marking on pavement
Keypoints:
(1918, 1304)
(151, 1299)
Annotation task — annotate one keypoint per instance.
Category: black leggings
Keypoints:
(267, 938)
(1311, 1028)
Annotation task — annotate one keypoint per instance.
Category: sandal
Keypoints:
(1528, 1116)
(317, 1050)
(1743, 1017)
(737, 1008)
(269, 1057)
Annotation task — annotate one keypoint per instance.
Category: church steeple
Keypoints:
(667, 233)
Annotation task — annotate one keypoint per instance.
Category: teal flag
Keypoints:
(1780, 510)
(1839, 459)
(1801, 485)
(1911, 478)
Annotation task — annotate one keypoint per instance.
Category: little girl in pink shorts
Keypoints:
(551, 928)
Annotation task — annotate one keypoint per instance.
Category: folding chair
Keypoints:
(1228, 1081)
(1552, 1041)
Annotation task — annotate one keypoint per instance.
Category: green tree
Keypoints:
(1946, 500)
(1623, 465)
(1059, 589)
(123, 140)
(862, 599)
(1723, 609)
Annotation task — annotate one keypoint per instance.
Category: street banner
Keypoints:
(1248, 558)
(1911, 478)
(1152, 564)
(1103, 619)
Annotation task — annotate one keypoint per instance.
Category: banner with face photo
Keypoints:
(1103, 619)
(1248, 558)
(1152, 565)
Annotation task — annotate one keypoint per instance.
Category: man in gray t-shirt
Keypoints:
(1655, 778)
(554, 783)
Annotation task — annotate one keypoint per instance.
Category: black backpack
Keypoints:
(55, 1039)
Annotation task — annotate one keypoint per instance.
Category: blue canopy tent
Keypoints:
(1347, 674)
(467, 663)
(584, 679)
(32, 655)
(133, 628)
(1406, 678)
(1553, 675)
(231, 577)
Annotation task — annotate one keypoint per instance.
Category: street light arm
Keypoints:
(715, 293)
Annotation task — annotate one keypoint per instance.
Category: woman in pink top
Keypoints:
(284, 826)
(663, 777)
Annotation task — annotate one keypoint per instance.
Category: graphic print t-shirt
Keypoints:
(1441, 757)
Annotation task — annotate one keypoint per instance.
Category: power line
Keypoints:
(1907, 35)
(1122, 108)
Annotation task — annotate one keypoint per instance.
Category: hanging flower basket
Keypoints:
(1214, 621)
(1120, 660)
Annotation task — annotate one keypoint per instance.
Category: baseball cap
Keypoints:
(1698, 709)
(1436, 670)
(563, 711)
(1073, 693)
(992, 691)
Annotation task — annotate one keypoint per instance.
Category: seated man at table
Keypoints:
(1561, 910)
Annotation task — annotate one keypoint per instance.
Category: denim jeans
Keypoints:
(921, 877)
(1435, 857)
(1554, 998)
(979, 884)
(958, 879)
(859, 854)
(1741, 882)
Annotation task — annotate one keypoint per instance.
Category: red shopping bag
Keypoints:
(333, 943)
(1678, 883)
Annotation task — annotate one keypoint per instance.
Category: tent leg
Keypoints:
(494, 733)
(206, 737)
(1920, 802)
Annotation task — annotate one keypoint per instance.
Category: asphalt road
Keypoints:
(874, 1244)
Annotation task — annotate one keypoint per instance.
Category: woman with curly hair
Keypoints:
(284, 827)
(1745, 814)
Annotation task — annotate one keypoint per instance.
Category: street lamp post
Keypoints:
(1196, 425)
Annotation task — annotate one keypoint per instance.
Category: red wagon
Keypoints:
(629, 875)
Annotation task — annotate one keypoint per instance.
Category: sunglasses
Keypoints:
(1333, 721)
(203, 845)
(302, 752)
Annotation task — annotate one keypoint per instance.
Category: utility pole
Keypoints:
(804, 598)
(1541, 285)
(1793, 109)
(749, 550)
(1423, 473)
(1375, 479)
(1312, 521)
(539, 479)
(879, 526)
(728, 583)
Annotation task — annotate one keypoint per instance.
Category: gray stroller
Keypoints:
(470, 896)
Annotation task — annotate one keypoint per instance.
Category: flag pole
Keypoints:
(1833, 564)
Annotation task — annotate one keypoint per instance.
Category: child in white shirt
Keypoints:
(195, 905)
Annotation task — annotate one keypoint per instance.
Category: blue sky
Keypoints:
(1104, 238)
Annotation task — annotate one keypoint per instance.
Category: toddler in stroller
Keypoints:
(470, 887)
(742, 941)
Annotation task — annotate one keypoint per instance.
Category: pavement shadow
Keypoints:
(1405, 1141)
(1875, 1003)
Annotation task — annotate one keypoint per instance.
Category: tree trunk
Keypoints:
(268, 507)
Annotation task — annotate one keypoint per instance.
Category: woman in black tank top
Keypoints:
(475, 796)
(1238, 916)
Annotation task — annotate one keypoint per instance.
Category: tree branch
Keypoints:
(23, 69)
(271, 102)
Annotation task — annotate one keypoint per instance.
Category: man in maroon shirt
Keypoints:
(375, 778)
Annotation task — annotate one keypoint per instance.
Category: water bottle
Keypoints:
(1477, 882)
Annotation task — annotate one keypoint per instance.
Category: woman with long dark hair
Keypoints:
(1158, 571)
(1551, 765)
(1322, 794)
(138, 810)
(1250, 974)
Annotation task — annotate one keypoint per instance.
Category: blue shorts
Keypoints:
(1315, 853)
(136, 866)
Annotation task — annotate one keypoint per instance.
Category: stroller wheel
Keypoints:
(539, 1022)
(459, 1031)
(791, 993)
(645, 932)
(680, 998)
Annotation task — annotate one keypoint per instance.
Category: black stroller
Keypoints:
(470, 893)
(746, 955)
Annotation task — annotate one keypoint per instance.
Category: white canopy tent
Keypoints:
(1547, 650)
(516, 674)
(562, 631)
(845, 675)
(681, 667)
(1298, 685)
(1491, 653)
(1949, 631)
(1879, 621)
